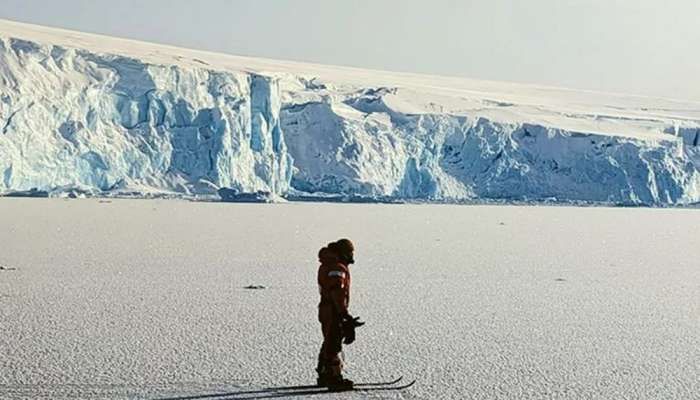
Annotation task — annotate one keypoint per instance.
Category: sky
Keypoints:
(648, 47)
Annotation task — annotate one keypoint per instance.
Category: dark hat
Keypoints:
(344, 249)
(345, 246)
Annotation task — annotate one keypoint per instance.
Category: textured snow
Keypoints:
(93, 114)
(147, 299)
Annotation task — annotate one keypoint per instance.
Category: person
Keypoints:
(336, 322)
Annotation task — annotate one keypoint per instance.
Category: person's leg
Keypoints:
(325, 355)
(330, 365)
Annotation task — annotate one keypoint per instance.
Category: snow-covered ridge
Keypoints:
(98, 114)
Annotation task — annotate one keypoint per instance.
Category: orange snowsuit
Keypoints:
(334, 285)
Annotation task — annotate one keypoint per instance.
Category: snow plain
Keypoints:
(136, 299)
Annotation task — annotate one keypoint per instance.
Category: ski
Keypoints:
(395, 381)
(324, 390)
(301, 390)
(357, 385)
(383, 387)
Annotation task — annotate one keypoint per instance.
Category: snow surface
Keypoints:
(104, 115)
(145, 299)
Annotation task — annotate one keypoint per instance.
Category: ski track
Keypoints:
(145, 299)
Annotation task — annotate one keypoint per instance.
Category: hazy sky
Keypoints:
(636, 46)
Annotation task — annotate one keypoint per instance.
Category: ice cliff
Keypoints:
(104, 115)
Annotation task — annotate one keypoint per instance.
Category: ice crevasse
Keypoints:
(108, 116)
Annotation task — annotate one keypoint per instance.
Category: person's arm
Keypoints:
(336, 284)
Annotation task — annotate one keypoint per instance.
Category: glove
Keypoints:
(348, 328)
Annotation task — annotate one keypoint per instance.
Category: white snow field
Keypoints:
(99, 115)
(145, 299)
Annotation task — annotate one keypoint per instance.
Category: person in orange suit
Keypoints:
(337, 325)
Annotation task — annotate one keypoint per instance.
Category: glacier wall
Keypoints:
(380, 152)
(72, 118)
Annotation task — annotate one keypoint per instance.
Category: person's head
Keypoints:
(327, 256)
(345, 251)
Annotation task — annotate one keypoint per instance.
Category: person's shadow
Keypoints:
(292, 391)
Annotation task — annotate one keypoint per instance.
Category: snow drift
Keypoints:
(97, 115)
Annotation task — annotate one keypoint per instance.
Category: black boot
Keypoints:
(332, 380)
(337, 383)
